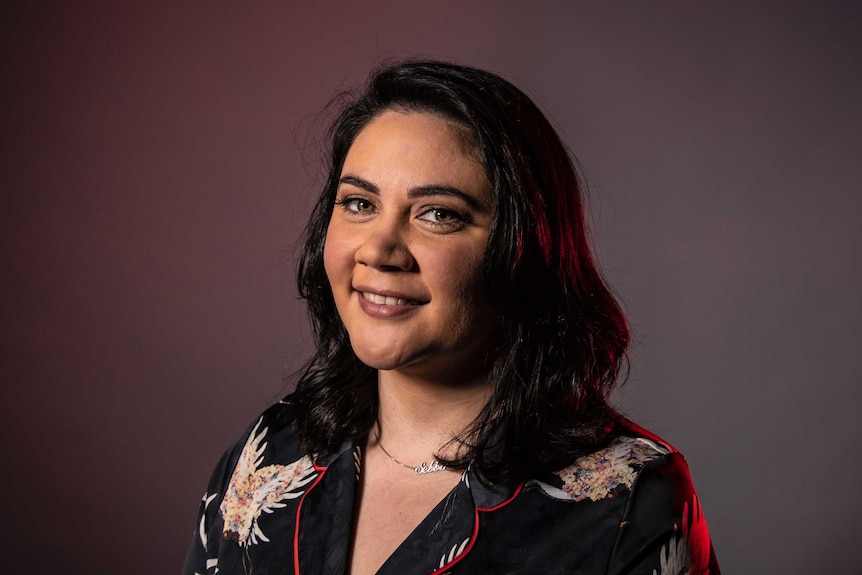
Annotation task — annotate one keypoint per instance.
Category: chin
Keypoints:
(378, 359)
(386, 360)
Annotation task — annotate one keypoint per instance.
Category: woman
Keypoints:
(454, 417)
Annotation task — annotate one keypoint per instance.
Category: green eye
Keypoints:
(356, 205)
(362, 206)
(443, 216)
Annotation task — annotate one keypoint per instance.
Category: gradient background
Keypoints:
(158, 163)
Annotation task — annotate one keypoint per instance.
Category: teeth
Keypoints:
(383, 300)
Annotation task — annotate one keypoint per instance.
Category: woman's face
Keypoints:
(404, 248)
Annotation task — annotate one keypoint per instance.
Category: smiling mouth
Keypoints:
(388, 300)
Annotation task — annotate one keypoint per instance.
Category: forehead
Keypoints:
(399, 152)
(413, 135)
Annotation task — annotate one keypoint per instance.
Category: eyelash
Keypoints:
(459, 219)
(346, 202)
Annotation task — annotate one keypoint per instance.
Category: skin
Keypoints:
(411, 221)
(409, 229)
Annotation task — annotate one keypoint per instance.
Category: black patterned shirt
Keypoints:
(628, 508)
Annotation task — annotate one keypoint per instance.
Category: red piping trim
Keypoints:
(322, 471)
(467, 550)
(464, 553)
(506, 502)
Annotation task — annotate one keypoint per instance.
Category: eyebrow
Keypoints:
(416, 192)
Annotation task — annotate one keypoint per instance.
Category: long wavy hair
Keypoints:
(563, 336)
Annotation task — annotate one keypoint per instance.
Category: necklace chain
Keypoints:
(420, 469)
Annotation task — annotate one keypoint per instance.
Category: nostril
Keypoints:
(385, 254)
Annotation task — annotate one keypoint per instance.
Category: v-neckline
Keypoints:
(325, 520)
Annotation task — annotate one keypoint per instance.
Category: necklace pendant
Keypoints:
(424, 468)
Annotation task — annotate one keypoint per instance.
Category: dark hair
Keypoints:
(563, 336)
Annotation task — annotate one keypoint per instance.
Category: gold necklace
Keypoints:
(420, 469)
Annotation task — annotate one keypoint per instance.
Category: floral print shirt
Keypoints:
(628, 508)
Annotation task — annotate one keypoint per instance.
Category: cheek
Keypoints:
(458, 274)
(334, 254)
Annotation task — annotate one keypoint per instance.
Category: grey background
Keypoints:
(158, 163)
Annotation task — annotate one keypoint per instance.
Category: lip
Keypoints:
(404, 304)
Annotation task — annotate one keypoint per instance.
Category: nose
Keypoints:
(385, 246)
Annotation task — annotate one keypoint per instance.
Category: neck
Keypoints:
(417, 418)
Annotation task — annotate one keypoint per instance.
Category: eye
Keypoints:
(443, 217)
(356, 205)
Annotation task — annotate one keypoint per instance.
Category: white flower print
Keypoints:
(357, 461)
(687, 552)
(254, 490)
(207, 499)
(456, 550)
(605, 473)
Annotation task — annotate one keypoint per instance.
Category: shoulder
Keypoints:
(269, 468)
(271, 435)
(663, 526)
(272, 432)
(643, 482)
(257, 475)
(611, 471)
(263, 466)
(276, 421)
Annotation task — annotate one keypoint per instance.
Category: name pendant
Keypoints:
(424, 468)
